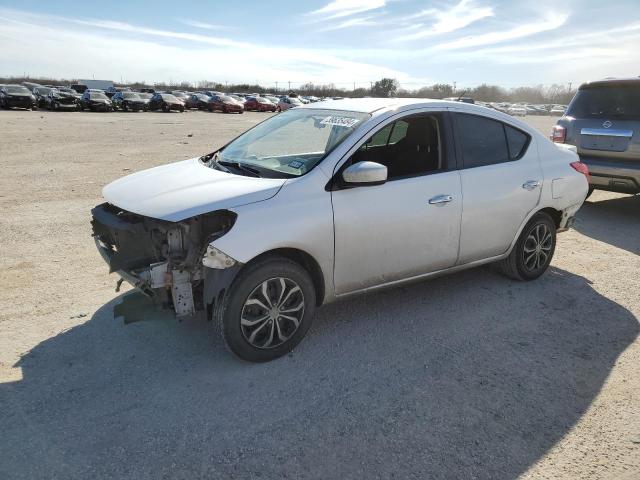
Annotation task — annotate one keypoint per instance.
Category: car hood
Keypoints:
(185, 189)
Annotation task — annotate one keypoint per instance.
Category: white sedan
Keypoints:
(334, 199)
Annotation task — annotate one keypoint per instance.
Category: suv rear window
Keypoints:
(615, 101)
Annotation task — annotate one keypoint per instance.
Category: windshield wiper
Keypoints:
(240, 166)
(212, 162)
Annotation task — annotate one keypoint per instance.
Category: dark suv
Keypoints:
(603, 122)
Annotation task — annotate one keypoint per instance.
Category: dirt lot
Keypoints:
(468, 376)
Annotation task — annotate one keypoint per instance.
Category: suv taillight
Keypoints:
(558, 134)
(581, 167)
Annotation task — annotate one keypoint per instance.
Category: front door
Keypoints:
(409, 225)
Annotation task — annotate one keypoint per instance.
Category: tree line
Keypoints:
(385, 87)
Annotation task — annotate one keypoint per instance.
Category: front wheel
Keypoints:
(533, 251)
(268, 310)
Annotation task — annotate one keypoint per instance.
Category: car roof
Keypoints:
(611, 81)
(380, 106)
(371, 105)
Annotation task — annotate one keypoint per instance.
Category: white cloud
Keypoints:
(127, 27)
(344, 8)
(203, 25)
(524, 30)
(70, 48)
(352, 22)
(455, 18)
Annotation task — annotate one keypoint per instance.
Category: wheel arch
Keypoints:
(556, 215)
(305, 260)
(217, 282)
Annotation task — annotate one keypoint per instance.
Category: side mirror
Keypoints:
(365, 173)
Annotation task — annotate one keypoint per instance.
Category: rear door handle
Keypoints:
(531, 184)
(440, 199)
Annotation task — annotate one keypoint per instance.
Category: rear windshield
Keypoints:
(17, 90)
(616, 101)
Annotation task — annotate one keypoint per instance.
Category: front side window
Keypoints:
(408, 147)
(294, 142)
(485, 141)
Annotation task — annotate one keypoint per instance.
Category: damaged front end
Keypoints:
(173, 263)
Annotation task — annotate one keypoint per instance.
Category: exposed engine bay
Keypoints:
(168, 261)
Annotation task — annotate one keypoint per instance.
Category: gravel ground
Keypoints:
(468, 376)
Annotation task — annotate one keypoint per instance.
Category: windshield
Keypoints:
(17, 90)
(226, 98)
(294, 142)
(130, 95)
(43, 90)
(619, 101)
(97, 96)
(168, 98)
(145, 95)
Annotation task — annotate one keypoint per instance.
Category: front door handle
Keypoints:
(440, 199)
(531, 184)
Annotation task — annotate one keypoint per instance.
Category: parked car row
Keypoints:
(524, 109)
(31, 96)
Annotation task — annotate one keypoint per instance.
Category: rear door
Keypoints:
(501, 183)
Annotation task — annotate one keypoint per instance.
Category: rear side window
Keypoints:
(485, 141)
(516, 141)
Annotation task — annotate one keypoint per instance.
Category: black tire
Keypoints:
(518, 264)
(166, 108)
(233, 307)
(590, 191)
(224, 110)
(125, 107)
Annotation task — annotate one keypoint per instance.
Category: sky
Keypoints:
(344, 42)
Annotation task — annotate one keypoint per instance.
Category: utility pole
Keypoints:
(454, 86)
(276, 87)
(289, 85)
(569, 87)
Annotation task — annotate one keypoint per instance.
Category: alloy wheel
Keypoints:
(272, 313)
(537, 247)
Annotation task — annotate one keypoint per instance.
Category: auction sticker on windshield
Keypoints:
(347, 122)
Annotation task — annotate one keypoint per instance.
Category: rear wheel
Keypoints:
(125, 107)
(268, 310)
(166, 108)
(533, 251)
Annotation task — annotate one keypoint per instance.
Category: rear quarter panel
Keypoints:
(563, 187)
